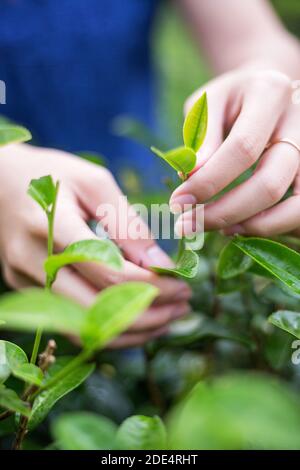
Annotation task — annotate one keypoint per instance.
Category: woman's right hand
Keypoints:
(83, 187)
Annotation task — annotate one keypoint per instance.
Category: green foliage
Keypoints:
(47, 398)
(10, 401)
(232, 262)
(84, 431)
(101, 251)
(11, 133)
(237, 412)
(182, 159)
(186, 267)
(287, 321)
(44, 191)
(142, 433)
(195, 124)
(11, 358)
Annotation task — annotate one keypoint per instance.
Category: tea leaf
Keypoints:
(11, 357)
(114, 310)
(84, 431)
(10, 133)
(142, 433)
(279, 260)
(195, 124)
(30, 309)
(186, 267)
(287, 321)
(232, 262)
(101, 251)
(29, 373)
(182, 159)
(10, 401)
(47, 398)
(43, 191)
(256, 412)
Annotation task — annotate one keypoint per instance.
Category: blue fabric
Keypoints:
(71, 66)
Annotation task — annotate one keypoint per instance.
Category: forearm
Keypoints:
(242, 33)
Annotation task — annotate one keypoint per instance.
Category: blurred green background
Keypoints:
(180, 68)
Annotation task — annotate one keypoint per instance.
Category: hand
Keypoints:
(83, 186)
(247, 110)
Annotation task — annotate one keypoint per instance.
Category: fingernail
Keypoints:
(234, 229)
(157, 257)
(177, 203)
(184, 292)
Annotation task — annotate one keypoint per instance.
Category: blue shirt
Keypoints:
(72, 66)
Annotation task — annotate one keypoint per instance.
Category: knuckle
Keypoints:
(247, 147)
(8, 276)
(14, 252)
(273, 189)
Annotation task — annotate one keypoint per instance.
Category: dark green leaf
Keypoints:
(47, 398)
(182, 159)
(30, 309)
(187, 266)
(84, 431)
(101, 251)
(29, 373)
(43, 191)
(279, 260)
(10, 401)
(114, 310)
(142, 433)
(287, 321)
(11, 357)
(195, 124)
(232, 262)
(10, 133)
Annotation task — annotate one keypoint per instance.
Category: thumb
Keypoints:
(104, 201)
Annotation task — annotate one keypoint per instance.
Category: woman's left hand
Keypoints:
(247, 111)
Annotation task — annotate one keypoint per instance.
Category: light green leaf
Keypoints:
(186, 267)
(241, 411)
(232, 262)
(114, 310)
(35, 308)
(195, 124)
(182, 159)
(11, 357)
(101, 251)
(43, 191)
(10, 133)
(142, 433)
(29, 373)
(93, 157)
(84, 431)
(287, 321)
(279, 260)
(47, 398)
(10, 401)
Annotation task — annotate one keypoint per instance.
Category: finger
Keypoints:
(158, 317)
(217, 92)
(105, 202)
(17, 280)
(269, 183)
(132, 340)
(262, 107)
(282, 218)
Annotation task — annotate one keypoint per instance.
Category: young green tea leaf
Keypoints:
(287, 321)
(47, 398)
(35, 308)
(43, 191)
(114, 310)
(11, 357)
(256, 412)
(101, 251)
(10, 401)
(29, 373)
(182, 159)
(195, 124)
(84, 431)
(10, 133)
(142, 433)
(279, 260)
(186, 267)
(232, 262)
